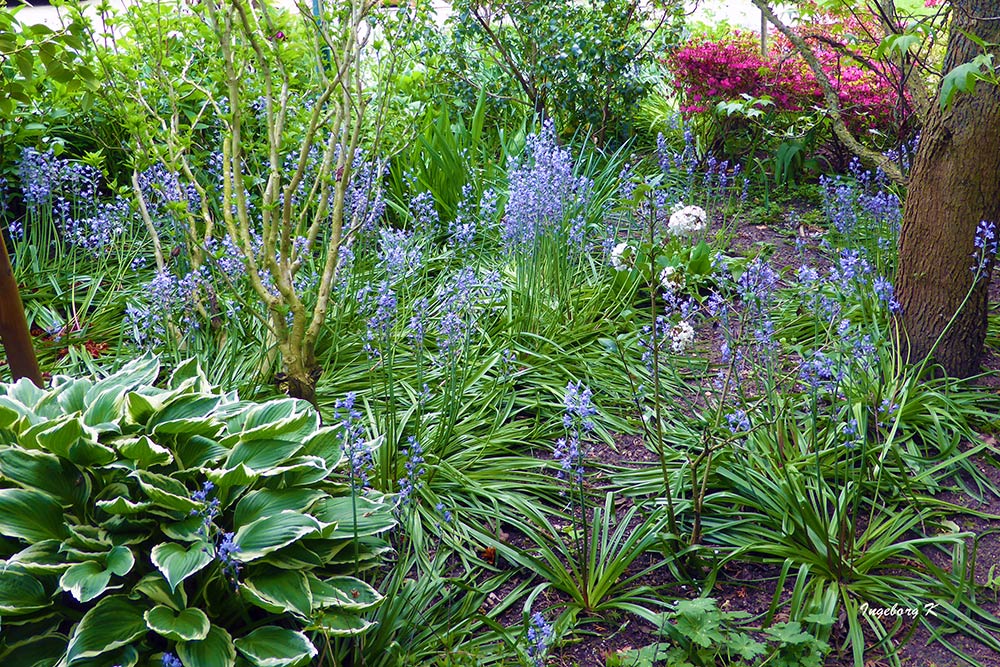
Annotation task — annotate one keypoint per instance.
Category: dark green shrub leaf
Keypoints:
(113, 622)
(273, 532)
(343, 592)
(260, 455)
(280, 591)
(177, 563)
(241, 475)
(119, 561)
(44, 472)
(342, 625)
(72, 440)
(156, 588)
(165, 491)
(215, 650)
(123, 506)
(85, 581)
(31, 515)
(361, 517)
(185, 625)
(271, 646)
(145, 452)
(20, 593)
(265, 502)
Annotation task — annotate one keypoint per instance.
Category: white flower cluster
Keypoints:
(671, 279)
(682, 337)
(622, 257)
(687, 221)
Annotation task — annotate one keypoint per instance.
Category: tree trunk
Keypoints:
(14, 334)
(954, 184)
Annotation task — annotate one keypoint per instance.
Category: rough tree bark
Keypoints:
(954, 184)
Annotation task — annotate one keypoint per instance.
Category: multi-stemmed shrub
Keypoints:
(177, 521)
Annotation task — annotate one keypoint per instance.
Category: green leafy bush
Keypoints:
(140, 521)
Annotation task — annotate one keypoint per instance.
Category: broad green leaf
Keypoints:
(25, 392)
(336, 624)
(31, 515)
(119, 561)
(185, 407)
(123, 506)
(215, 650)
(114, 621)
(178, 563)
(263, 454)
(270, 533)
(85, 581)
(189, 529)
(145, 452)
(45, 472)
(189, 374)
(73, 440)
(271, 646)
(299, 471)
(12, 411)
(241, 475)
(265, 502)
(325, 444)
(156, 588)
(280, 591)
(198, 451)
(362, 517)
(41, 558)
(165, 491)
(20, 593)
(343, 592)
(186, 625)
(961, 79)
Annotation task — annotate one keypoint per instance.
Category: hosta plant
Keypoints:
(143, 524)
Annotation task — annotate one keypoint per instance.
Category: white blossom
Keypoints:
(671, 279)
(682, 337)
(622, 256)
(687, 221)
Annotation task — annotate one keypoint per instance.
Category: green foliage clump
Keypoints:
(582, 63)
(700, 634)
(140, 521)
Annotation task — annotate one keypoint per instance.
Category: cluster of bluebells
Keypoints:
(738, 421)
(102, 226)
(415, 470)
(578, 421)
(168, 299)
(171, 660)
(364, 203)
(69, 192)
(166, 197)
(352, 439)
(226, 550)
(540, 635)
(398, 255)
(544, 194)
(462, 230)
(820, 371)
(986, 248)
(381, 306)
(458, 297)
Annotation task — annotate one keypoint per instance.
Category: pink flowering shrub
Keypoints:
(707, 72)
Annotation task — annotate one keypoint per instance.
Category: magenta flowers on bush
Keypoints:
(708, 72)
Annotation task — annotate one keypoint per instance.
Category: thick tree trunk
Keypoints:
(954, 184)
(14, 334)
